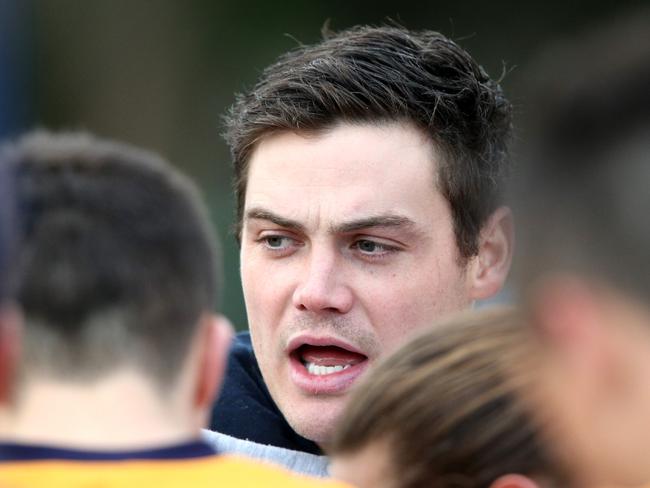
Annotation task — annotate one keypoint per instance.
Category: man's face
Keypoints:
(347, 246)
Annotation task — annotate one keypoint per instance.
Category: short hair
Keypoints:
(387, 74)
(450, 406)
(117, 261)
(582, 197)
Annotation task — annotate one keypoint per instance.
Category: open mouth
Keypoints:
(326, 360)
(324, 365)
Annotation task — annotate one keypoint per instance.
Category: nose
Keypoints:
(322, 288)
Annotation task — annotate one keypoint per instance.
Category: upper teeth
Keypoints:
(322, 370)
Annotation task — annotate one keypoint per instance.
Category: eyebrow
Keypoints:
(263, 214)
(383, 220)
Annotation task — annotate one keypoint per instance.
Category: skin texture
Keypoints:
(346, 240)
(371, 467)
(594, 388)
(150, 418)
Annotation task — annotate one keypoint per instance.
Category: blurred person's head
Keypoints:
(116, 279)
(367, 175)
(448, 410)
(584, 269)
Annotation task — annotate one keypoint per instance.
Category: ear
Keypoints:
(566, 312)
(10, 341)
(514, 481)
(488, 270)
(570, 316)
(217, 334)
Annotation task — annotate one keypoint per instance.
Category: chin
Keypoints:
(317, 419)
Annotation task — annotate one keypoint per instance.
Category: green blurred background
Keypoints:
(160, 73)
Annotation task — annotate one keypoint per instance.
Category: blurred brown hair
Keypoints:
(117, 258)
(581, 195)
(448, 405)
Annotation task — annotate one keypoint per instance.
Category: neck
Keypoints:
(120, 412)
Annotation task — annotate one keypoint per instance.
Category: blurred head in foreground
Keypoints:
(448, 410)
(584, 266)
(116, 278)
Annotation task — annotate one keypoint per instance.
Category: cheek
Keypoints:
(403, 303)
(266, 290)
(395, 308)
(267, 294)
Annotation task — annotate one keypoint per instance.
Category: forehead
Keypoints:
(345, 171)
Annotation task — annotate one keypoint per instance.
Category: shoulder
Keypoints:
(200, 472)
(295, 461)
(244, 472)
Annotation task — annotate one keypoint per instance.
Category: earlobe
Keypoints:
(218, 334)
(569, 315)
(514, 481)
(565, 312)
(489, 269)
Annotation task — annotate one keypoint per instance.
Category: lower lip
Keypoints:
(329, 384)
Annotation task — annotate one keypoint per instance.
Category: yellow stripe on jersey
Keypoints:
(204, 472)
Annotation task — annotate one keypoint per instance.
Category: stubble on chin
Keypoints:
(313, 417)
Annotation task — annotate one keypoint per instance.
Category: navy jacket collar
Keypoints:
(11, 452)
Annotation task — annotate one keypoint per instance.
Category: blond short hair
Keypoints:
(448, 405)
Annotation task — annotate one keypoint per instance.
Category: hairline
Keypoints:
(439, 157)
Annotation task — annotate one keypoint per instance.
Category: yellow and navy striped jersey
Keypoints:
(43, 467)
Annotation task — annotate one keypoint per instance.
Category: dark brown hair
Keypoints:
(449, 406)
(387, 74)
(117, 260)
